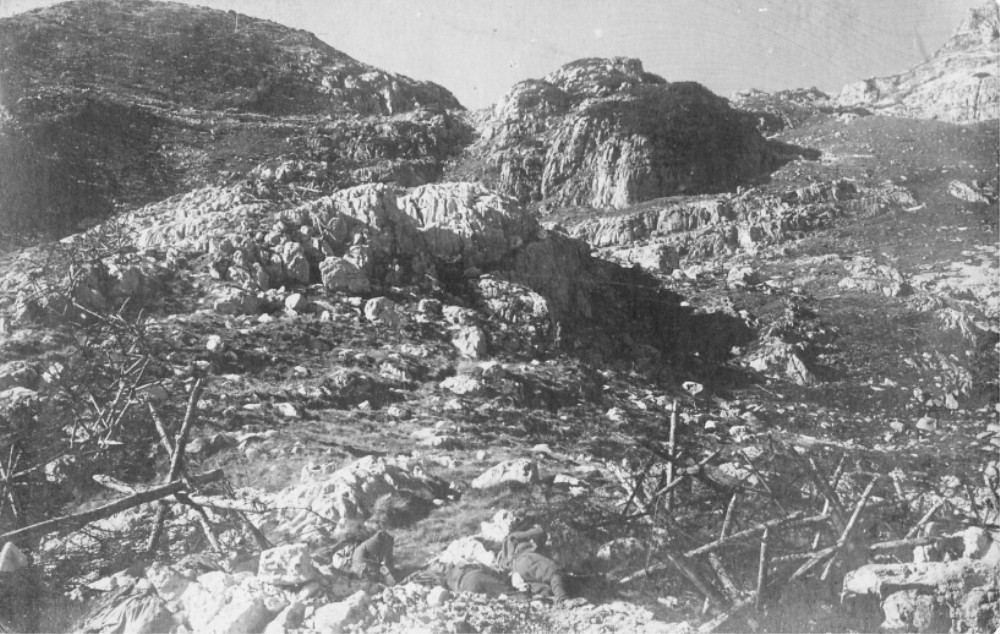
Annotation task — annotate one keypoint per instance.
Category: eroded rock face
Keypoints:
(605, 133)
(959, 83)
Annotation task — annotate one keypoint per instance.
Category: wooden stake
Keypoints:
(710, 593)
(176, 462)
(923, 520)
(762, 568)
(850, 525)
(671, 448)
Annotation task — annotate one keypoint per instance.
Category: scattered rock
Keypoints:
(287, 410)
(470, 342)
(12, 559)
(520, 471)
(382, 310)
(870, 277)
(335, 617)
(288, 619)
(296, 303)
(289, 565)
(340, 275)
(234, 301)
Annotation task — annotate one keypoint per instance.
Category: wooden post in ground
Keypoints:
(673, 453)
(176, 461)
(762, 568)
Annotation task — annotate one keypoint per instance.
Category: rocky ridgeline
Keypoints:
(141, 100)
(604, 133)
(139, 50)
(959, 83)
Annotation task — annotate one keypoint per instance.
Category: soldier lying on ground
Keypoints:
(372, 559)
(463, 577)
(476, 578)
(521, 555)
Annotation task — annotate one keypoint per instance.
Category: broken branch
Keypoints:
(71, 522)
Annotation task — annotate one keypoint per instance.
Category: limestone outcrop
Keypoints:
(960, 83)
(605, 133)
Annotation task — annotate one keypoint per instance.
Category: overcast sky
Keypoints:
(479, 48)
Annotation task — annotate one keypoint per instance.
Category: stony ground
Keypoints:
(357, 346)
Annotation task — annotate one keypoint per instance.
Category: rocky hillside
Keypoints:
(740, 384)
(604, 133)
(108, 104)
(960, 83)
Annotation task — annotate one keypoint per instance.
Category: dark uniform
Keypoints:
(521, 554)
(476, 578)
(372, 559)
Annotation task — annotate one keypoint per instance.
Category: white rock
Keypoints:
(742, 276)
(976, 542)
(457, 315)
(287, 565)
(522, 471)
(693, 388)
(242, 614)
(463, 384)
(215, 344)
(340, 275)
(296, 303)
(287, 410)
(12, 559)
(437, 596)
(200, 606)
(168, 583)
(334, 617)
(471, 342)
(381, 310)
(233, 301)
(288, 619)
(344, 495)
(617, 415)
(962, 191)
(216, 581)
(926, 423)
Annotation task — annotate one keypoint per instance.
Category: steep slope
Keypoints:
(109, 104)
(960, 83)
(605, 133)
